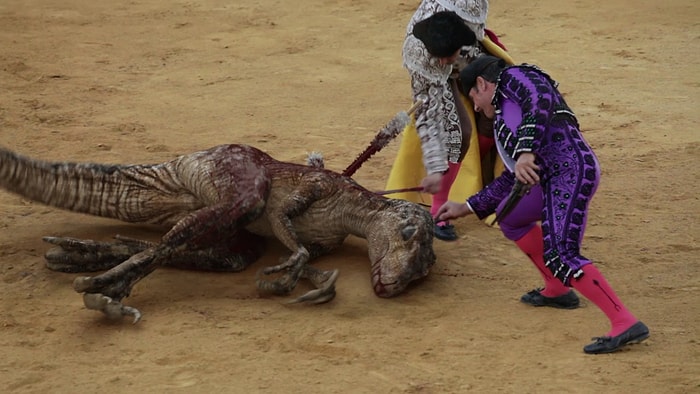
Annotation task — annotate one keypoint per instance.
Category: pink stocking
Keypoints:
(593, 286)
(533, 246)
(447, 180)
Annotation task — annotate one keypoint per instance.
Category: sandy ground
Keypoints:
(145, 80)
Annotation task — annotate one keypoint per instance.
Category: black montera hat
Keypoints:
(444, 33)
(478, 68)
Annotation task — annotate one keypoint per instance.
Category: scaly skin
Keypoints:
(219, 204)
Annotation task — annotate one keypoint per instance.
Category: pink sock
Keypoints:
(533, 246)
(441, 197)
(593, 286)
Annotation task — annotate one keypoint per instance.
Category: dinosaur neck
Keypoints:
(361, 219)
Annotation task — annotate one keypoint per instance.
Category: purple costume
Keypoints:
(532, 116)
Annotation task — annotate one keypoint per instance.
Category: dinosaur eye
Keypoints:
(408, 232)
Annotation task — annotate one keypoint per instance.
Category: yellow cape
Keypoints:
(408, 171)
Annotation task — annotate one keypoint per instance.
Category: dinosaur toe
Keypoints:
(82, 283)
(114, 310)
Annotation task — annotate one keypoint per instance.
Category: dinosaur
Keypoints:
(217, 206)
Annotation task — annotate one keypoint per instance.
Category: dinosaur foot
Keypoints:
(113, 309)
(85, 255)
(280, 286)
(325, 286)
(294, 263)
(102, 294)
(323, 281)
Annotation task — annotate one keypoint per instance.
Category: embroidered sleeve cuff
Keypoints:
(520, 150)
(470, 207)
(436, 167)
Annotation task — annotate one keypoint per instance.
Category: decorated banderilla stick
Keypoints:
(382, 139)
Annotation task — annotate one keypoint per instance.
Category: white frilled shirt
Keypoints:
(437, 120)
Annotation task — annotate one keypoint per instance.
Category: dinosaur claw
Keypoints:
(113, 309)
(317, 296)
(51, 240)
(131, 311)
(270, 270)
(82, 283)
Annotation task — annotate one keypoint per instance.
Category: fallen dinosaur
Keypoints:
(218, 206)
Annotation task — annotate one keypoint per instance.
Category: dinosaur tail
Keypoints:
(128, 193)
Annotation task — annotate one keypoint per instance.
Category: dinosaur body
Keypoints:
(217, 205)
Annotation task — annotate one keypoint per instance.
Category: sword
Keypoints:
(519, 190)
(394, 191)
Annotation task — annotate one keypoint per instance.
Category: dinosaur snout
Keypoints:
(390, 280)
(385, 281)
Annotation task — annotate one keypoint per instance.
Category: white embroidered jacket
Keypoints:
(437, 121)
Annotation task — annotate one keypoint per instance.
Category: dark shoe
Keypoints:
(635, 334)
(567, 301)
(446, 232)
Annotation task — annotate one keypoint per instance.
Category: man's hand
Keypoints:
(432, 183)
(526, 169)
(452, 210)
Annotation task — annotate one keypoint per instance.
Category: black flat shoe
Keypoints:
(635, 334)
(446, 232)
(535, 298)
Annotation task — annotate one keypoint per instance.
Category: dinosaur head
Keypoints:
(400, 245)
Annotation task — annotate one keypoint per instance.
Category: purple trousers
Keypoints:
(560, 203)
(524, 216)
